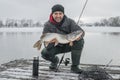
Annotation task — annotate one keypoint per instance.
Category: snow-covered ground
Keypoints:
(36, 29)
(39, 29)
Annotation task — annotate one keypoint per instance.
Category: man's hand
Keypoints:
(78, 39)
(53, 40)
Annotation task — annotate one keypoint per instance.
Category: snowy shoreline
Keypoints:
(38, 29)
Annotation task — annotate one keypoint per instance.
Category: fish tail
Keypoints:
(39, 47)
(37, 44)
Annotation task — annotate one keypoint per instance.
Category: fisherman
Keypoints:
(59, 23)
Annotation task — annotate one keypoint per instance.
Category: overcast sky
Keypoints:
(40, 9)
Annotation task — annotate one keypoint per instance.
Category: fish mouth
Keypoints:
(73, 37)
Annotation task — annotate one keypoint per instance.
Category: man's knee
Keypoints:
(45, 54)
(48, 54)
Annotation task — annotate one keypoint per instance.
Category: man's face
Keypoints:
(58, 16)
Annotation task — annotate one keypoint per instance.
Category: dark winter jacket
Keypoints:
(67, 26)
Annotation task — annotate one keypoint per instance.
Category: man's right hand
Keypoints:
(53, 40)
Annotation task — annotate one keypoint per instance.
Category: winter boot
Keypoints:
(76, 69)
(75, 56)
(54, 63)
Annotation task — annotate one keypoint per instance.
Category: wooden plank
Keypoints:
(22, 69)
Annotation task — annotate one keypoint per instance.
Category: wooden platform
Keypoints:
(22, 70)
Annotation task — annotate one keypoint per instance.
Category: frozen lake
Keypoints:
(101, 45)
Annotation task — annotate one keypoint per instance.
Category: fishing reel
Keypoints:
(67, 61)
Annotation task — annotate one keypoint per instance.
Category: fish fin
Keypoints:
(42, 36)
(71, 43)
(36, 44)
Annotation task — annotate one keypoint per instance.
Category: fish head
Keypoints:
(74, 35)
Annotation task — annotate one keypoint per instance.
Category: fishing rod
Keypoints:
(108, 64)
(82, 11)
(60, 62)
(67, 60)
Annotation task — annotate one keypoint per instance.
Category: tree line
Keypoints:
(20, 23)
(110, 22)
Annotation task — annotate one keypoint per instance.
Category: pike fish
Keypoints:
(59, 38)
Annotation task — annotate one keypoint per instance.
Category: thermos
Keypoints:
(35, 66)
